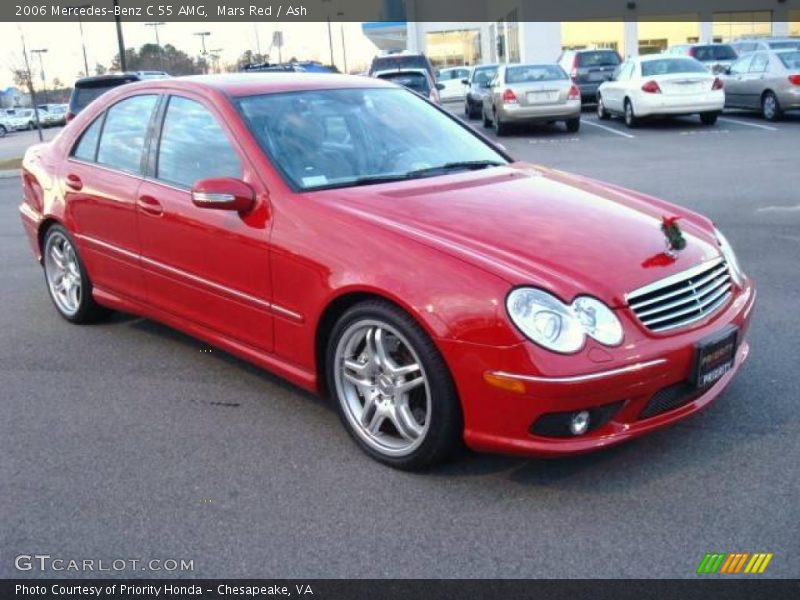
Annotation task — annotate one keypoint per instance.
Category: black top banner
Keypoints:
(395, 10)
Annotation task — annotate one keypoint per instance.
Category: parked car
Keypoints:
(452, 78)
(661, 85)
(745, 45)
(531, 94)
(352, 238)
(53, 115)
(88, 88)
(477, 86)
(767, 81)
(401, 60)
(715, 57)
(589, 68)
(417, 80)
(24, 118)
(153, 75)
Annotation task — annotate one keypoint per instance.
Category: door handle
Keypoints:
(74, 182)
(150, 205)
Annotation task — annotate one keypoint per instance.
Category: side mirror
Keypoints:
(440, 86)
(223, 193)
(465, 81)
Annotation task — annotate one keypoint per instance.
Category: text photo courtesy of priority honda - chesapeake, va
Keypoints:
(343, 297)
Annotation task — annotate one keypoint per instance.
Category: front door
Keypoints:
(207, 266)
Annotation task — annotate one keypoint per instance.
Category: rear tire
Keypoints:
(486, 121)
(500, 128)
(770, 107)
(3, 131)
(67, 280)
(602, 113)
(573, 125)
(631, 120)
(31, 126)
(708, 118)
(367, 346)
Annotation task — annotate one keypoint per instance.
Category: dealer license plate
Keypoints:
(715, 356)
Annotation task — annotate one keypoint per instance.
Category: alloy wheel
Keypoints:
(382, 387)
(63, 274)
(770, 107)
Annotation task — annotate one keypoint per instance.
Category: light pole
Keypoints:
(41, 51)
(344, 47)
(83, 41)
(203, 35)
(155, 26)
(215, 53)
(29, 78)
(120, 41)
(330, 35)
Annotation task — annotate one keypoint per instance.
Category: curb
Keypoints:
(9, 174)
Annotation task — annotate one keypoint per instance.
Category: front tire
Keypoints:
(770, 107)
(67, 280)
(392, 388)
(709, 118)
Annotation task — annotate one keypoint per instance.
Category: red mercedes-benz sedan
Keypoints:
(359, 241)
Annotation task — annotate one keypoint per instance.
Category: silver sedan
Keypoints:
(531, 94)
(767, 81)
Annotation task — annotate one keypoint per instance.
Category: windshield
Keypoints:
(534, 73)
(413, 81)
(338, 138)
(671, 66)
(790, 60)
(484, 75)
(708, 53)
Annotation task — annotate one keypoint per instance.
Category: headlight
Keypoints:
(547, 321)
(730, 257)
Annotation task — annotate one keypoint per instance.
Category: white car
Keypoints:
(23, 118)
(659, 84)
(453, 81)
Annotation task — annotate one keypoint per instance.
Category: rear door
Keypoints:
(100, 181)
(753, 82)
(209, 267)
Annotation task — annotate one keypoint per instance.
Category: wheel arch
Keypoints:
(41, 232)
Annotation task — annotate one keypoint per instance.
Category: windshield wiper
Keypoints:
(461, 165)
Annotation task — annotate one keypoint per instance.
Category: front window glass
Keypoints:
(193, 145)
(759, 64)
(534, 73)
(124, 133)
(669, 66)
(741, 65)
(338, 138)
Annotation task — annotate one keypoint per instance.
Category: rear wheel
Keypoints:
(31, 126)
(573, 125)
(393, 390)
(708, 118)
(602, 114)
(3, 131)
(487, 122)
(67, 281)
(631, 120)
(770, 107)
(500, 128)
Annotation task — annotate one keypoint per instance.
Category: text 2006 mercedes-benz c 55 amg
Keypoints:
(357, 240)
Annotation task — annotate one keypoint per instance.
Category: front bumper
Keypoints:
(630, 376)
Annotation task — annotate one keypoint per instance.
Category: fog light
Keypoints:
(579, 422)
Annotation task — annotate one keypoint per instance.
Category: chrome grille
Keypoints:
(683, 298)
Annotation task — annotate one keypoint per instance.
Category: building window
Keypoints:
(675, 29)
(453, 48)
(580, 35)
(794, 22)
(731, 25)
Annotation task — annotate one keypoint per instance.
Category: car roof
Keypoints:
(649, 57)
(249, 84)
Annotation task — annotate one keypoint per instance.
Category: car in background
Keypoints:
(522, 94)
(53, 115)
(744, 45)
(477, 86)
(589, 68)
(417, 80)
(766, 81)
(153, 75)
(452, 78)
(401, 60)
(88, 88)
(715, 57)
(25, 118)
(661, 85)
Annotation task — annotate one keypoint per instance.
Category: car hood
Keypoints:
(535, 226)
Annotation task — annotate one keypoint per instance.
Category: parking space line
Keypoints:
(609, 129)
(758, 125)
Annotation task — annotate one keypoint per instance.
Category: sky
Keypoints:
(64, 58)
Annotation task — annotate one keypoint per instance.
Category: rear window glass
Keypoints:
(606, 58)
(414, 81)
(790, 60)
(785, 45)
(534, 73)
(714, 53)
(484, 75)
(83, 94)
(399, 62)
(668, 66)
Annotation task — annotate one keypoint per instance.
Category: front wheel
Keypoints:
(393, 389)
(709, 118)
(3, 131)
(67, 281)
(770, 107)
(31, 126)
(573, 125)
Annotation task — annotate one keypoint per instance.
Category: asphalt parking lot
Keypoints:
(14, 144)
(129, 440)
